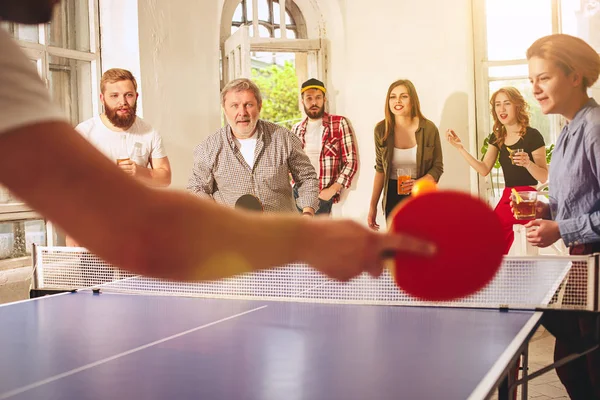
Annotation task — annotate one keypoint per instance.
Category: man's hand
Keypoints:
(308, 212)
(544, 233)
(344, 249)
(129, 167)
(327, 193)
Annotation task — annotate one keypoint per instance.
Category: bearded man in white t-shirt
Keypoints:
(124, 137)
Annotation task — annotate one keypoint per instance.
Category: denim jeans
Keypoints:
(324, 205)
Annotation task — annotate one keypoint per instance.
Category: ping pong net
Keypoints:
(560, 282)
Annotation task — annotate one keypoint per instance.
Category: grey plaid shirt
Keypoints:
(220, 171)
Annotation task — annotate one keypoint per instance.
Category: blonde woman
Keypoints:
(561, 69)
(522, 170)
(404, 140)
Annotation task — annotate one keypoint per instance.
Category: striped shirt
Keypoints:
(221, 173)
(338, 161)
(575, 178)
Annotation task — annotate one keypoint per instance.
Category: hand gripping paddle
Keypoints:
(469, 241)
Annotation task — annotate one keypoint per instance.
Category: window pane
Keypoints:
(276, 13)
(17, 237)
(288, 19)
(513, 25)
(263, 31)
(71, 87)
(70, 26)
(275, 75)
(5, 196)
(249, 10)
(581, 18)
(290, 33)
(537, 119)
(234, 29)
(263, 11)
(508, 71)
(28, 33)
(237, 15)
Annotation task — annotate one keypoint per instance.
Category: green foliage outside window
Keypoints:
(279, 88)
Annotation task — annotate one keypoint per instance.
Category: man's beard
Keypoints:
(121, 121)
(314, 114)
(245, 133)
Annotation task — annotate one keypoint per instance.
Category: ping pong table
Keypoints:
(283, 333)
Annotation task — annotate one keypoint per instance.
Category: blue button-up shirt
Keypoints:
(575, 178)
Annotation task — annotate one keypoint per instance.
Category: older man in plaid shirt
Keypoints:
(328, 141)
(252, 156)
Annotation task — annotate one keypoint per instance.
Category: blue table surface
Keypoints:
(112, 346)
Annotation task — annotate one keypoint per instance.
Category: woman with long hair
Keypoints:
(522, 169)
(407, 149)
(561, 69)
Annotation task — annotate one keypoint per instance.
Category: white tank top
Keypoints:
(404, 158)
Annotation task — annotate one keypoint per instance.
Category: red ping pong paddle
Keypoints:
(469, 240)
(249, 202)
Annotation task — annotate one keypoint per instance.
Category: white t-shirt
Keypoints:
(313, 142)
(247, 148)
(142, 141)
(404, 158)
(24, 99)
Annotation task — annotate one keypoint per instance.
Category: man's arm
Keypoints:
(201, 181)
(157, 175)
(349, 158)
(115, 216)
(161, 171)
(305, 177)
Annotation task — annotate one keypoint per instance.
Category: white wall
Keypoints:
(120, 39)
(180, 74)
(371, 44)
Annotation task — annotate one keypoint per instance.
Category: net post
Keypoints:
(34, 266)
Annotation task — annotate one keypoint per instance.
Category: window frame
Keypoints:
(41, 53)
(482, 92)
(314, 48)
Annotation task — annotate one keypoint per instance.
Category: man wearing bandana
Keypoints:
(328, 140)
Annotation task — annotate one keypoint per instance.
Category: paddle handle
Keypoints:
(388, 254)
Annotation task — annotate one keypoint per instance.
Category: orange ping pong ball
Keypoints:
(423, 186)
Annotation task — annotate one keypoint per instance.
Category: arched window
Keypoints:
(269, 19)
(266, 40)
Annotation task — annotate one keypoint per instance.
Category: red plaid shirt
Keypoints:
(338, 161)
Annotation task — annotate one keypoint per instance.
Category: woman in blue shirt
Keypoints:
(561, 69)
